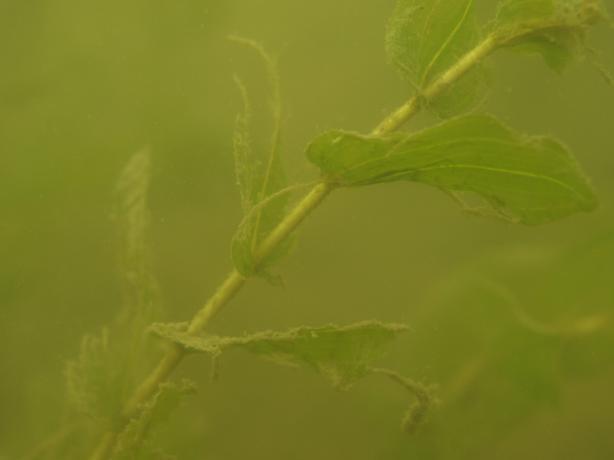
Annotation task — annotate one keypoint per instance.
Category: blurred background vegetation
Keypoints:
(514, 323)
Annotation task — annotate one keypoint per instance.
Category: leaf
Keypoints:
(134, 442)
(242, 150)
(141, 299)
(93, 380)
(260, 179)
(528, 180)
(110, 363)
(554, 29)
(341, 354)
(425, 38)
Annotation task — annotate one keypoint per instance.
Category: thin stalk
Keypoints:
(235, 281)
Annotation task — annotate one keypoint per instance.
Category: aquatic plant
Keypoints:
(487, 167)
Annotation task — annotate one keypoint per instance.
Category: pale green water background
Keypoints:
(83, 85)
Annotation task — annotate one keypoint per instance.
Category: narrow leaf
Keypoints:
(341, 354)
(111, 362)
(528, 180)
(425, 38)
(93, 380)
(141, 304)
(260, 177)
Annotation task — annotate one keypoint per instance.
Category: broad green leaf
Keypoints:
(260, 178)
(554, 29)
(527, 180)
(425, 38)
(341, 354)
(134, 442)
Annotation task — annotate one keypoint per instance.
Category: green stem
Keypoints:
(234, 282)
(408, 110)
(227, 290)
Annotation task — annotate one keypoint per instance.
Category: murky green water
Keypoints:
(513, 325)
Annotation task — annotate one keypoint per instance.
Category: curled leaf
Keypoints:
(416, 414)
(341, 354)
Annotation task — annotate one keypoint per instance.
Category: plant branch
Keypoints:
(408, 110)
(235, 281)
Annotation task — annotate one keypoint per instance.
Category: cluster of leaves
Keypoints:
(529, 180)
(426, 38)
(439, 48)
(112, 363)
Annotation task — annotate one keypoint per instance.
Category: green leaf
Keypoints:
(260, 178)
(141, 298)
(134, 442)
(131, 216)
(242, 149)
(94, 381)
(554, 29)
(341, 354)
(425, 38)
(110, 363)
(528, 180)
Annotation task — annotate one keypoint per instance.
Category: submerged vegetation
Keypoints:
(125, 392)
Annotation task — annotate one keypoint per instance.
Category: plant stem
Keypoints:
(227, 290)
(408, 110)
(234, 281)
